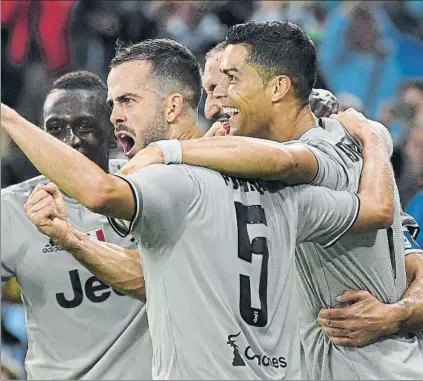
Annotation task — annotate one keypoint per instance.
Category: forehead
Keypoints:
(72, 103)
(129, 77)
(234, 56)
(212, 69)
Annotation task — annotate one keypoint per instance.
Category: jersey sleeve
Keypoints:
(334, 169)
(163, 195)
(325, 215)
(9, 246)
(410, 230)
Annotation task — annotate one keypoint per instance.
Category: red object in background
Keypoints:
(51, 25)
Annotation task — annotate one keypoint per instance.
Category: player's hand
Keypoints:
(361, 323)
(356, 124)
(148, 156)
(46, 209)
(323, 103)
(216, 129)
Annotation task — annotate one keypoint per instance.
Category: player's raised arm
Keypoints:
(116, 266)
(247, 157)
(376, 190)
(75, 174)
(238, 156)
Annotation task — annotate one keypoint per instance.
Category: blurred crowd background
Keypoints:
(370, 57)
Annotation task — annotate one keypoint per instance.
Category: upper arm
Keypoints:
(163, 195)
(304, 165)
(335, 170)
(115, 198)
(325, 215)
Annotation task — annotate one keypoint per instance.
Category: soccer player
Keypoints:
(365, 321)
(78, 326)
(217, 252)
(265, 90)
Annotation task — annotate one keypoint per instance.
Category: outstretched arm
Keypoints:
(238, 156)
(245, 157)
(116, 266)
(75, 174)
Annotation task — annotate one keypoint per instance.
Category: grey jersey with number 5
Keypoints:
(219, 264)
(372, 261)
(78, 327)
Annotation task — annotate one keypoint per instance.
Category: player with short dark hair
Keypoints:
(206, 281)
(265, 98)
(78, 326)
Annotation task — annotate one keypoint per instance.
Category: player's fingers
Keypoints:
(352, 296)
(42, 217)
(45, 202)
(333, 313)
(36, 198)
(37, 188)
(332, 323)
(53, 189)
(336, 332)
(215, 130)
(344, 341)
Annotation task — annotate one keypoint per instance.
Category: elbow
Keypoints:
(98, 198)
(386, 216)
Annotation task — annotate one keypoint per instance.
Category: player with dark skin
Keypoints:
(80, 119)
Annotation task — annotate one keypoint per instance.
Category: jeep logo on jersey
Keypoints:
(262, 360)
(95, 290)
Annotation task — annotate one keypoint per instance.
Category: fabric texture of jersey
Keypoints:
(78, 327)
(218, 256)
(366, 261)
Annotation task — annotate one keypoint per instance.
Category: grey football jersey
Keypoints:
(218, 256)
(78, 327)
(371, 261)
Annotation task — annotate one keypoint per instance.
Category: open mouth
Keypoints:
(127, 143)
(232, 112)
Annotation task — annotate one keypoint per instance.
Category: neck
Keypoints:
(290, 123)
(188, 129)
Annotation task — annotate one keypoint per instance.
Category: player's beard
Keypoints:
(156, 130)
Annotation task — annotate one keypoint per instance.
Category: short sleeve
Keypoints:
(325, 215)
(163, 195)
(334, 171)
(9, 246)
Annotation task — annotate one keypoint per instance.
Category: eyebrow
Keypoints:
(121, 97)
(210, 87)
(226, 71)
(77, 119)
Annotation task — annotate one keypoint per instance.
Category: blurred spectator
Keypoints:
(347, 100)
(362, 53)
(411, 179)
(192, 23)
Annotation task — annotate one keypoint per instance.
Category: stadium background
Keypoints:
(370, 56)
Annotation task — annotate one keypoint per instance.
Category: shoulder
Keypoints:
(22, 190)
(116, 165)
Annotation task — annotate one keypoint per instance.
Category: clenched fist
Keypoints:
(46, 209)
